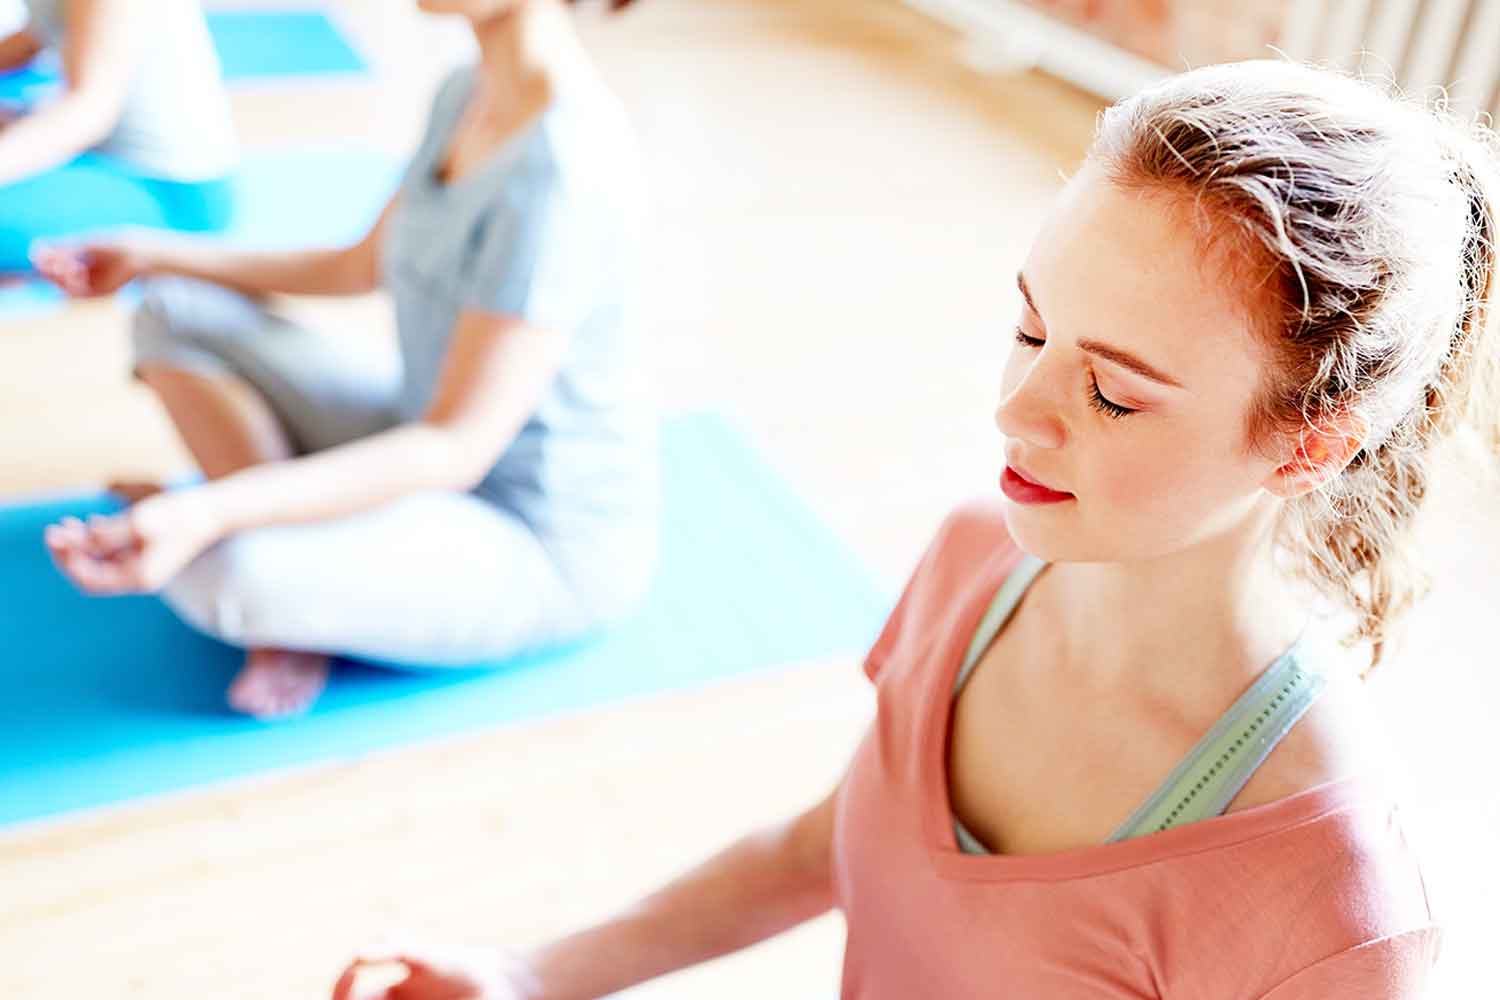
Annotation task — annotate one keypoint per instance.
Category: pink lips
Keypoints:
(1022, 490)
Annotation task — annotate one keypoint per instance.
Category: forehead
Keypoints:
(1133, 268)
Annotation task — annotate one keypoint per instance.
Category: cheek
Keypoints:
(1162, 475)
(1134, 481)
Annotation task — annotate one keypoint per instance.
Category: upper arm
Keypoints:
(812, 839)
(531, 278)
(803, 849)
(1390, 968)
(528, 285)
(493, 377)
(539, 254)
(101, 48)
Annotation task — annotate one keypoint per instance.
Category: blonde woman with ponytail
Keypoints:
(1121, 751)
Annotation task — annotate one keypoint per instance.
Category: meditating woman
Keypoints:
(139, 134)
(495, 489)
(1112, 756)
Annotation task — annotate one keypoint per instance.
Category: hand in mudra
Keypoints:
(137, 551)
(85, 270)
(437, 974)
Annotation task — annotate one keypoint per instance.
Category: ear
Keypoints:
(1317, 454)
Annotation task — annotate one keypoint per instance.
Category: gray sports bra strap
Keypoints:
(999, 611)
(1221, 763)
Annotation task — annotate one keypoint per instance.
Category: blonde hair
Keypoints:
(1369, 222)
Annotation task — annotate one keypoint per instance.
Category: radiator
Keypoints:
(1419, 45)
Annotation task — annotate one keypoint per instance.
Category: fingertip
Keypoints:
(89, 575)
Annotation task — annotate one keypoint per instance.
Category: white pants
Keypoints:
(427, 580)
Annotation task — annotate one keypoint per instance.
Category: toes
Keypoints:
(284, 705)
(242, 698)
(251, 691)
(295, 695)
(277, 687)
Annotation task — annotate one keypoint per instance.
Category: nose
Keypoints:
(1030, 409)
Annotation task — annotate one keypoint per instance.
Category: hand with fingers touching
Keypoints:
(767, 882)
(85, 270)
(137, 551)
(441, 974)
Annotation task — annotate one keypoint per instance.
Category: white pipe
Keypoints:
(1048, 44)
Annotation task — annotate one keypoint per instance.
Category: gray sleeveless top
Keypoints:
(1219, 765)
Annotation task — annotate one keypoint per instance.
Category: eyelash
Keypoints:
(1096, 399)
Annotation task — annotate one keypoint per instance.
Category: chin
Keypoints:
(1030, 532)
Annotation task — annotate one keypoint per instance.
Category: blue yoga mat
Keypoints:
(253, 46)
(285, 198)
(107, 699)
(256, 44)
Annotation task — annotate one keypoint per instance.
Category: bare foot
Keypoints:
(134, 491)
(278, 683)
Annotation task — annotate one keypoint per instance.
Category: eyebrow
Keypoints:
(1109, 353)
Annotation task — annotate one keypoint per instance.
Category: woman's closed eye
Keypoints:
(1096, 398)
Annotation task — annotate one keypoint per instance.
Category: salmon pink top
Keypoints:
(1316, 896)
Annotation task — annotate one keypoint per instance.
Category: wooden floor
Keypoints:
(843, 205)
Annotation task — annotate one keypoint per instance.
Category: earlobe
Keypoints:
(1294, 478)
(1299, 472)
(1313, 463)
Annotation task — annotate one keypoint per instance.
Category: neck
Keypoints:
(1186, 624)
(527, 54)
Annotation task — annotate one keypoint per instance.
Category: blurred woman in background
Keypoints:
(140, 134)
(492, 491)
